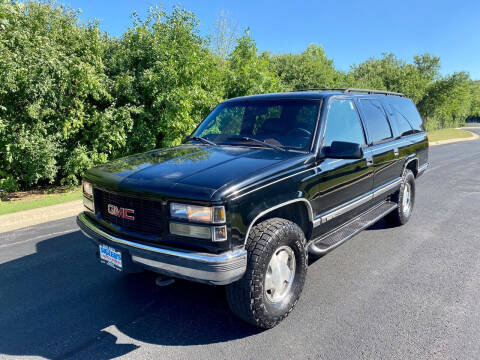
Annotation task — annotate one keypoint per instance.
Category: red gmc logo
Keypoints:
(121, 212)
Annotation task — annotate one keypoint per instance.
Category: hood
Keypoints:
(186, 171)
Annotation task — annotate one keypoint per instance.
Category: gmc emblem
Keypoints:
(121, 212)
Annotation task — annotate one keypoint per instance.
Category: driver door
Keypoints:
(342, 185)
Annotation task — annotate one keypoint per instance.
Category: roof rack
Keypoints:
(353, 90)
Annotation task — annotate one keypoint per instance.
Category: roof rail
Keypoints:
(321, 89)
(353, 90)
(369, 91)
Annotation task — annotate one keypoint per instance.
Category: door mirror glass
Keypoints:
(344, 150)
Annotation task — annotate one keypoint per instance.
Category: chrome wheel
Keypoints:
(407, 199)
(280, 274)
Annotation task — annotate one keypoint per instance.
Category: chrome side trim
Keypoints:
(387, 187)
(344, 208)
(407, 140)
(422, 168)
(198, 257)
(309, 208)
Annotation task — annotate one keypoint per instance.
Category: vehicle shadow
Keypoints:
(379, 225)
(59, 302)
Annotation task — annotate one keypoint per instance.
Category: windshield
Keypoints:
(289, 124)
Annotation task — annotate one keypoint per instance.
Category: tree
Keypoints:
(224, 36)
(52, 91)
(165, 78)
(72, 97)
(448, 101)
(309, 69)
(249, 73)
(390, 73)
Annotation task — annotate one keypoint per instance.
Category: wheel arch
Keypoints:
(412, 164)
(297, 210)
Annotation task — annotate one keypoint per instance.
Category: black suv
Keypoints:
(263, 182)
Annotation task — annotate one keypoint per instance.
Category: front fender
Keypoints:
(246, 209)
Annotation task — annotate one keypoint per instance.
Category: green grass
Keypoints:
(8, 207)
(447, 134)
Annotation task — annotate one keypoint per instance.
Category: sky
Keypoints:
(349, 31)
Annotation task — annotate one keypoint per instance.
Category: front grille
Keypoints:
(148, 213)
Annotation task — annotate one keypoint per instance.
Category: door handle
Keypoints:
(369, 161)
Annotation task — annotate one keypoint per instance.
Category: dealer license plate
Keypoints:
(111, 257)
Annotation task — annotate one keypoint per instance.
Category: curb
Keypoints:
(41, 215)
(449, 141)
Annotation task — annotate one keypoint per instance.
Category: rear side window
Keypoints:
(408, 111)
(343, 123)
(400, 124)
(375, 120)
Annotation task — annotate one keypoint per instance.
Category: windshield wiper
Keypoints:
(260, 142)
(206, 141)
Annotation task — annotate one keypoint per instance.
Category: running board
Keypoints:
(334, 238)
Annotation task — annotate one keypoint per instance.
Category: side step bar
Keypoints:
(334, 238)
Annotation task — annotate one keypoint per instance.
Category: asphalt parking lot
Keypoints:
(409, 292)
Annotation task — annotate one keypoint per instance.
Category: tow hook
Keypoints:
(164, 280)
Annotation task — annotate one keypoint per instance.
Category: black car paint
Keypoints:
(251, 180)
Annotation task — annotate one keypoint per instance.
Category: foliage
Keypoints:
(72, 97)
(247, 72)
(7, 182)
(390, 73)
(443, 101)
(309, 69)
(165, 78)
(53, 91)
(447, 102)
(224, 37)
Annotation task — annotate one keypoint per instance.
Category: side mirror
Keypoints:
(344, 150)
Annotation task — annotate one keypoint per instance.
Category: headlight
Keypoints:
(87, 189)
(194, 213)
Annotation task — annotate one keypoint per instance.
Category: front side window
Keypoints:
(343, 123)
(375, 120)
(286, 123)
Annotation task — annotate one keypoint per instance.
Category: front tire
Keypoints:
(276, 270)
(405, 199)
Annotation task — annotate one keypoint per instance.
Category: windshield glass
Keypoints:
(286, 123)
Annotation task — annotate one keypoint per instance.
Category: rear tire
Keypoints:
(276, 270)
(405, 199)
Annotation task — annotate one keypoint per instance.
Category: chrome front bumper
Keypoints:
(216, 269)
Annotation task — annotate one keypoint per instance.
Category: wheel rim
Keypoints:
(407, 199)
(280, 274)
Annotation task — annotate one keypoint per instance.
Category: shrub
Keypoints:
(8, 183)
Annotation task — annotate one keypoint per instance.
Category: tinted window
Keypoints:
(375, 120)
(287, 123)
(400, 125)
(408, 111)
(343, 123)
